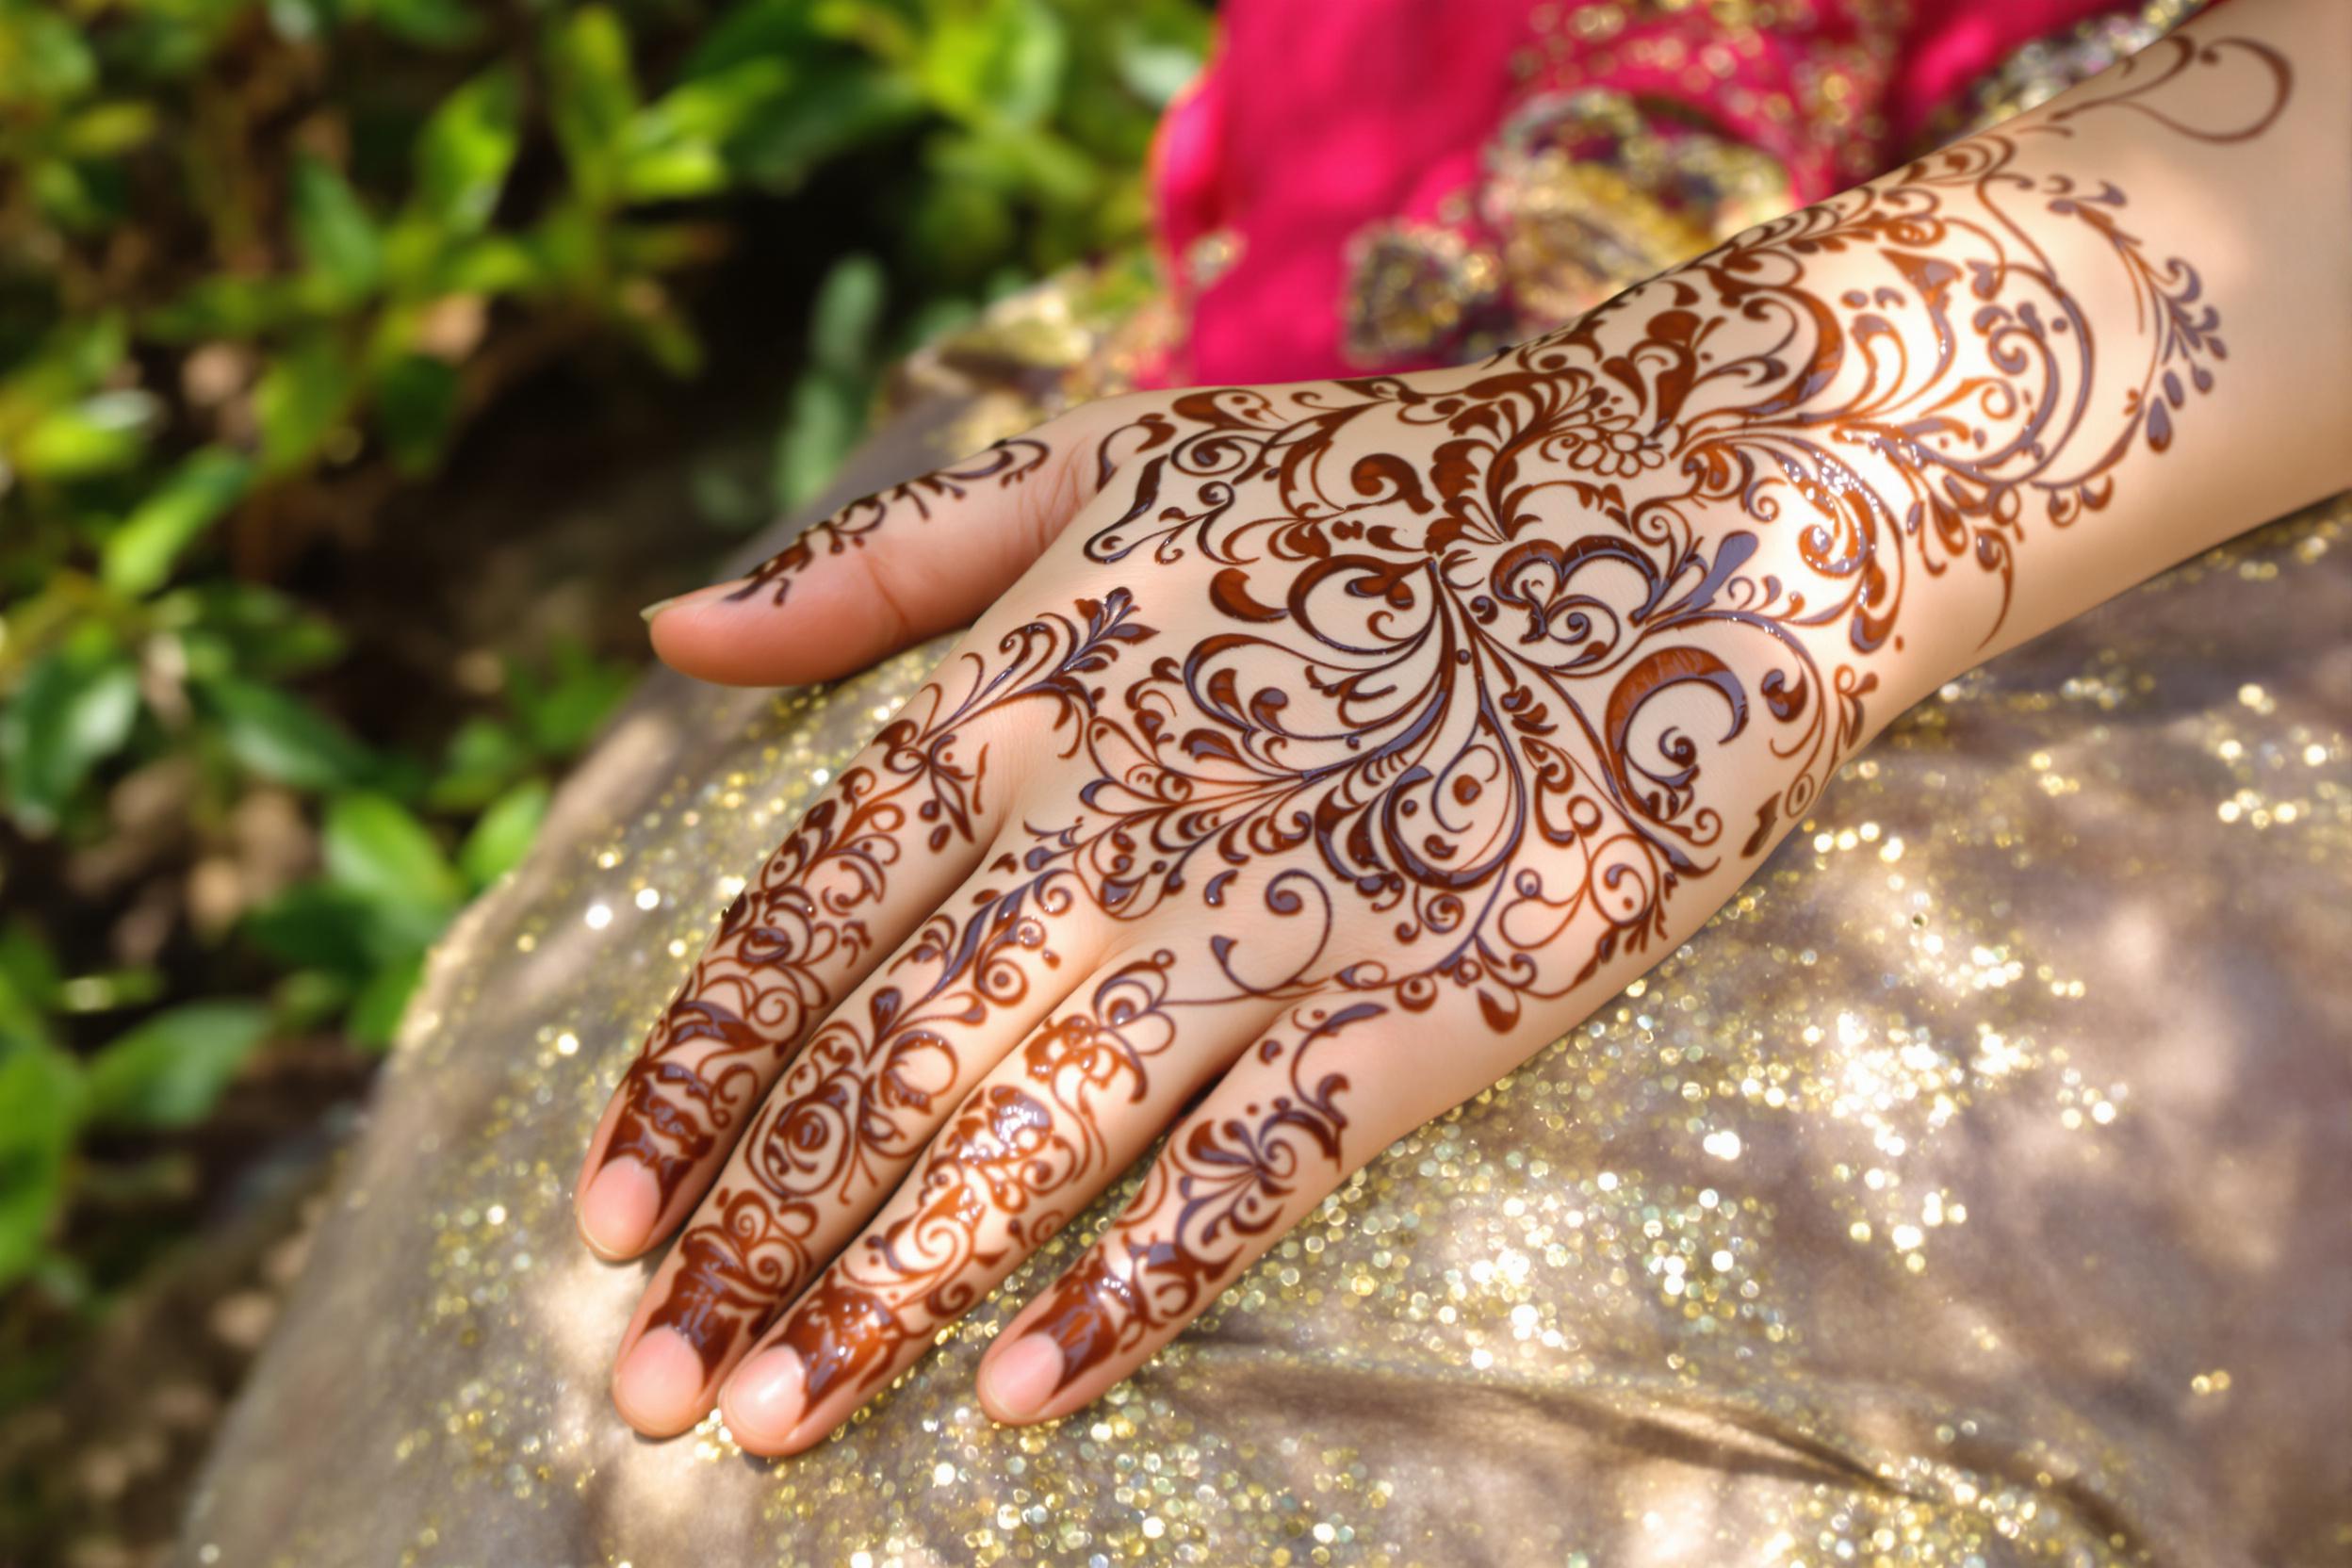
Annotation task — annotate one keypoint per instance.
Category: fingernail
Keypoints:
(658, 1385)
(714, 591)
(1017, 1384)
(618, 1209)
(763, 1402)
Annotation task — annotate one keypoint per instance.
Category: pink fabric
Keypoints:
(1317, 119)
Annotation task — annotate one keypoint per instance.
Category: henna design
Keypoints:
(1018, 1151)
(1228, 1182)
(763, 979)
(1007, 462)
(852, 1106)
(1493, 706)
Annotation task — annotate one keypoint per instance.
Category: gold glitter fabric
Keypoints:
(1969, 1193)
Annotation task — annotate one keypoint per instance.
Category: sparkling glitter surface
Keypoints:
(1968, 1192)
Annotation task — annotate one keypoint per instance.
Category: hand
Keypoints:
(1319, 754)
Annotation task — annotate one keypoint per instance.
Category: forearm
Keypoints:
(2207, 253)
(1944, 412)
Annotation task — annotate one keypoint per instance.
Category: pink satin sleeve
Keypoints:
(1316, 123)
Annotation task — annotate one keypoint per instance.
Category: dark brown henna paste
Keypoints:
(855, 1104)
(1008, 463)
(1220, 1186)
(1023, 1152)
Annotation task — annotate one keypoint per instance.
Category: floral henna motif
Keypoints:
(1492, 706)
(1008, 463)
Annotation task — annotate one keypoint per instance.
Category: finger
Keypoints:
(896, 566)
(850, 1114)
(877, 850)
(1301, 1110)
(1033, 1145)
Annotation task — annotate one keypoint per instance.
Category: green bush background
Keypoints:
(262, 267)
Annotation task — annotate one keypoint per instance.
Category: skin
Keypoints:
(1321, 752)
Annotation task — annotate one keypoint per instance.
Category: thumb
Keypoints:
(892, 569)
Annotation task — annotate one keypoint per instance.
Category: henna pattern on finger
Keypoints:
(1019, 1156)
(1008, 463)
(855, 1104)
(1486, 668)
(1217, 1194)
(787, 939)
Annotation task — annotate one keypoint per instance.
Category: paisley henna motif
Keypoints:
(1613, 630)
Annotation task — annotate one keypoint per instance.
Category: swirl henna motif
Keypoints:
(763, 979)
(851, 1107)
(1614, 629)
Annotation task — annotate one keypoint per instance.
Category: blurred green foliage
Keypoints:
(260, 265)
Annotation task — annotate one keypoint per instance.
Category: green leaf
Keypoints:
(492, 264)
(231, 627)
(302, 397)
(847, 315)
(97, 435)
(71, 361)
(169, 1070)
(997, 64)
(309, 999)
(375, 849)
(484, 756)
(676, 147)
(1154, 68)
(440, 23)
(45, 58)
(31, 986)
(501, 839)
(313, 925)
(74, 711)
(226, 306)
(108, 130)
(464, 150)
(338, 239)
(41, 1094)
(592, 94)
(562, 713)
(846, 105)
(281, 737)
(375, 1016)
(416, 409)
(821, 422)
(139, 555)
